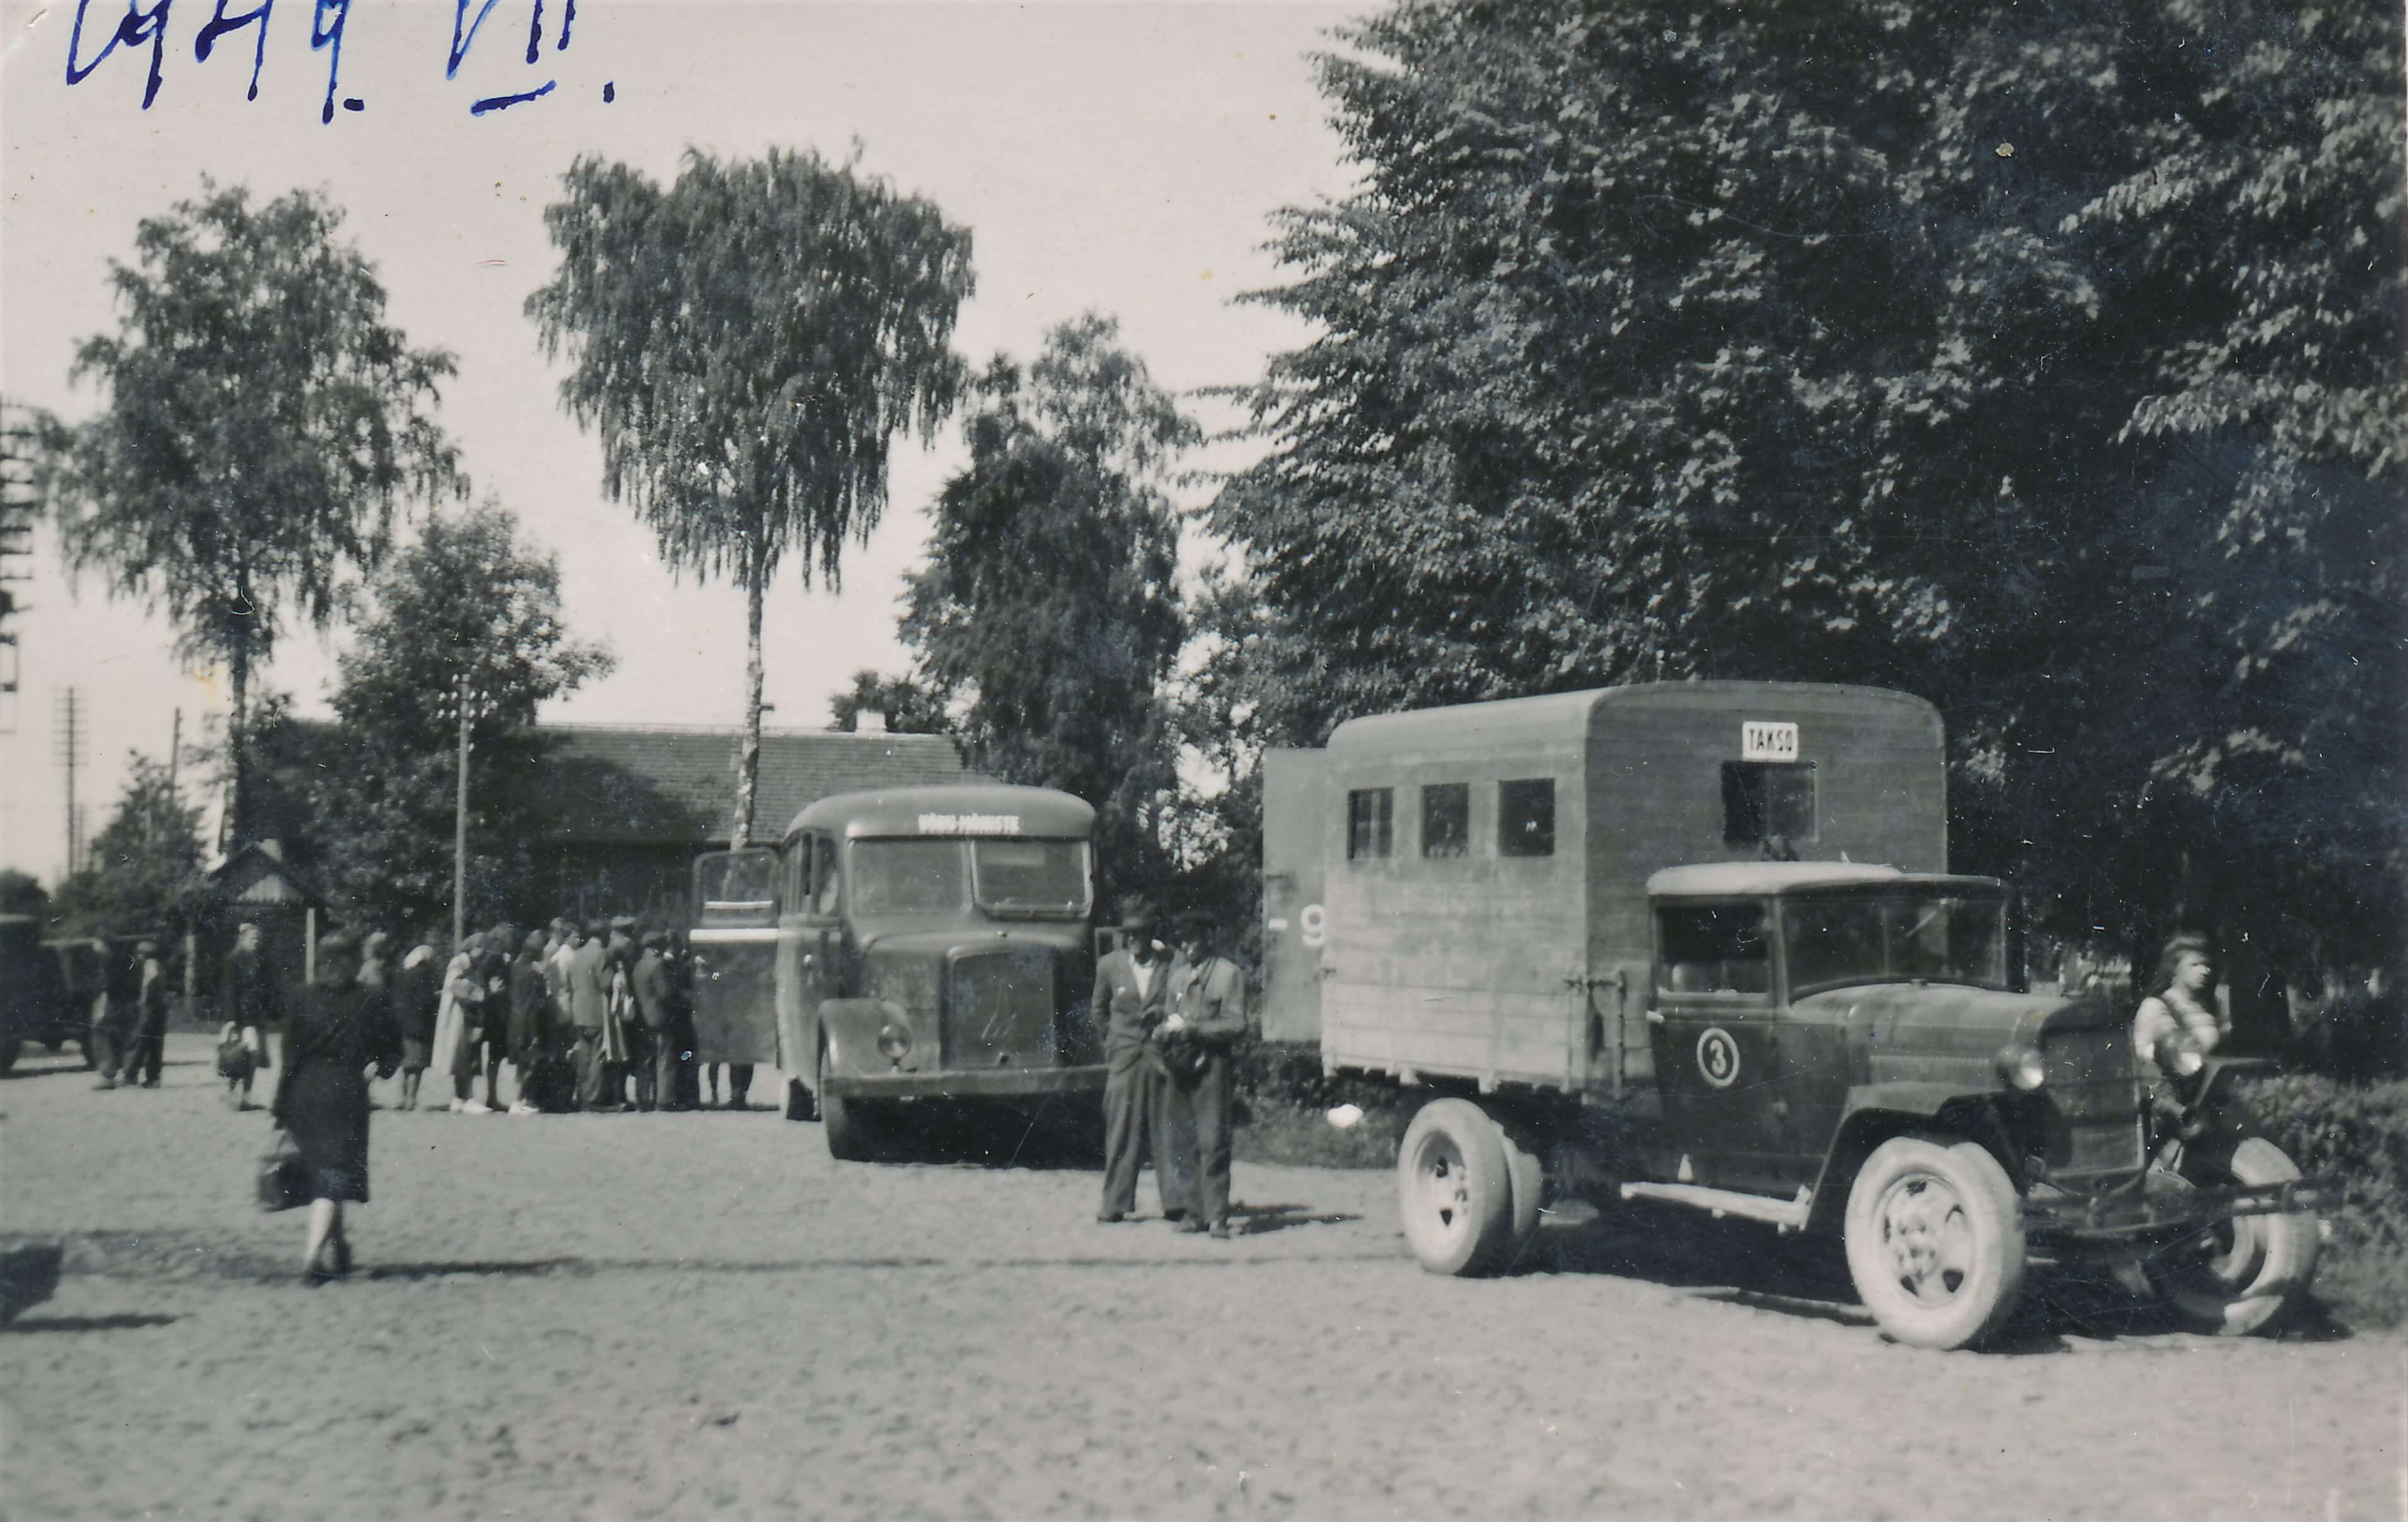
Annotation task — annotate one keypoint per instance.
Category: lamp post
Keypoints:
(459, 825)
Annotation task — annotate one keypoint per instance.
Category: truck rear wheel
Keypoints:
(1454, 1189)
(1528, 1177)
(1935, 1240)
(2237, 1276)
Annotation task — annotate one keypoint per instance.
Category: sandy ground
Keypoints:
(702, 1316)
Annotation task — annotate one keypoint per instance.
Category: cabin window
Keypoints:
(823, 875)
(1713, 949)
(1526, 817)
(1765, 800)
(1370, 822)
(1446, 819)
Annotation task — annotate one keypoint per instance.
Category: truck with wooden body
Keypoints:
(1697, 944)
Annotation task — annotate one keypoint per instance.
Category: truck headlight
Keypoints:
(2023, 1067)
(894, 1041)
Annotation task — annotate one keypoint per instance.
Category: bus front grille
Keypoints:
(1002, 1010)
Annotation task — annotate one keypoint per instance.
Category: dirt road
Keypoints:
(702, 1315)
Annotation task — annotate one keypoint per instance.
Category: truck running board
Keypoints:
(1788, 1214)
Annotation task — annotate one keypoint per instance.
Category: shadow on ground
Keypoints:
(1746, 1264)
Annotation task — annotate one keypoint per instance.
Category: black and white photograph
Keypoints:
(1203, 758)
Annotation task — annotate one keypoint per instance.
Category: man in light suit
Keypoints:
(589, 1010)
(1131, 986)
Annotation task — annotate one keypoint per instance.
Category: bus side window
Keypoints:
(823, 873)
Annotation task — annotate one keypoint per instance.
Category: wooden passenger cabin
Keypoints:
(1462, 891)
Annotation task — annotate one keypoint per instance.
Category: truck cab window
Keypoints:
(1446, 819)
(1526, 817)
(1713, 949)
(1370, 822)
(1763, 799)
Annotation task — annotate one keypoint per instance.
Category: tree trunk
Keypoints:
(237, 748)
(748, 757)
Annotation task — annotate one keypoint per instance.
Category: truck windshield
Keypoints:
(910, 877)
(1031, 877)
(1890, 937)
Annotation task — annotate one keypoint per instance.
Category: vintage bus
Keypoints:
(905, 948)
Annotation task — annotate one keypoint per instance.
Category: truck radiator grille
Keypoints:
(1002, 1011)
(2094, 1101)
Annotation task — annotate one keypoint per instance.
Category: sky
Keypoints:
(1122, 157)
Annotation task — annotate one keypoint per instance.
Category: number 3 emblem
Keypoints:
(1718, 1057)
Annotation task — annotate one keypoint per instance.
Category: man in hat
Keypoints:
(147, 1051)
(1131, 985)
(655, 1038)
(589, 1008)
(1204, 1019)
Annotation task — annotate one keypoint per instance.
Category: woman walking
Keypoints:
(334, 1032)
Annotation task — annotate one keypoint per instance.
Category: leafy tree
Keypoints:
(144, 866)
(2044, 361)
(22, 893)
(746, 343)
(468, 607)
(262, 424)
(910, 708)
(1049, 607)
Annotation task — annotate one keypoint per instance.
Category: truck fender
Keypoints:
(849, 1031)
(1874, 1113)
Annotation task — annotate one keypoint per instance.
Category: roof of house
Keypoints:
(257, 875)
(660, 784)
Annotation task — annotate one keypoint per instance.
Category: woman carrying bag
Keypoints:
(335, 1031)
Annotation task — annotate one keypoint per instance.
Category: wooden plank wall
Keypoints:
(1455, 964)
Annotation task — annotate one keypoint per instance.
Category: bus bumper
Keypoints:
(986, 1083)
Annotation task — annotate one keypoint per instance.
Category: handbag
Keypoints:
(283, 1177)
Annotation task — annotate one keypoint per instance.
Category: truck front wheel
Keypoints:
(1935, 1240)
(2238, 1274)
(1454, 1189)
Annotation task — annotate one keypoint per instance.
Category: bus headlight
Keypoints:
(2023, 1067)
(894, 1041)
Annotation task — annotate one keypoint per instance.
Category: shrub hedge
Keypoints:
(2359, 1131)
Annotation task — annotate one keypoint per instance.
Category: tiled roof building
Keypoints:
(633, 805)
(662, 784)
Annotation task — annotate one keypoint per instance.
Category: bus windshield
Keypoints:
(1031, 877)
(910, 877)
(1890, 937)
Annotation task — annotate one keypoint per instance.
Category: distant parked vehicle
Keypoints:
(47, 990)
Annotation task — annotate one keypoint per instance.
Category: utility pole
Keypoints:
(70, 733)
(460, 827)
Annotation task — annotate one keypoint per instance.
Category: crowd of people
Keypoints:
(593, 1016)
(588, 1016)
